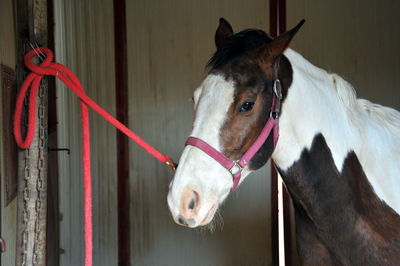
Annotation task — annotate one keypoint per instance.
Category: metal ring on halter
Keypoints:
(236, 168)
(274, 115)
(278, 89)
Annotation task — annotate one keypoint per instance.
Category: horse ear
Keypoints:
(224, 31)
(280, 43)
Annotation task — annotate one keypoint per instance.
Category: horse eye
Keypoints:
(247, 106)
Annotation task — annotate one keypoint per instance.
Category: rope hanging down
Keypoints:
(32, 81)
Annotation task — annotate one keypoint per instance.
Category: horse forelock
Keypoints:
(237, 45)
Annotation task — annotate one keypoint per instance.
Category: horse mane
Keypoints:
(236, 45)
(386, 117)
(358, 110)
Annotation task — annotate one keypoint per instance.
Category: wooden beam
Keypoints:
(33, 30)
(121, 82)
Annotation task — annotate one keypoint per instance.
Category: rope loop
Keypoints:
(41, 68)
(31, 86)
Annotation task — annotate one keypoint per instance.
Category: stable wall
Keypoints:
(359, 40)
(84, 35)
(169, 44)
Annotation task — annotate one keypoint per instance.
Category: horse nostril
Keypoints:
(191, 204)
(182, 220)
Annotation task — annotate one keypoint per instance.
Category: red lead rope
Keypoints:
(32, 81)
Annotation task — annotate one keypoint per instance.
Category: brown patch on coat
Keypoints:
(340, 212)
(242, 129)
(250, 58)
(252, 83)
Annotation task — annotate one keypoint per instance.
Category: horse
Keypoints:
(338, 155)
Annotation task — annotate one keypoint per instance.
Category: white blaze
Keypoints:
(197, 170)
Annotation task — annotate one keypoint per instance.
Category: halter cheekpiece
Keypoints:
(235, 167)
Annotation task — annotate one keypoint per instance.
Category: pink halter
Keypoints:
(236, 167)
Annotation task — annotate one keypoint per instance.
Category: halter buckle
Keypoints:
(236, 168)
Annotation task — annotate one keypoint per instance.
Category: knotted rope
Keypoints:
(32, 82)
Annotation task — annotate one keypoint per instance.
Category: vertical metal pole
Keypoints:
(32, 29)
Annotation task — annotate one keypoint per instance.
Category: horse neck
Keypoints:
(311, 107)
(316, 106)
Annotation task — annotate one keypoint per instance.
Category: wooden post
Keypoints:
(121, 80)
(32, 31)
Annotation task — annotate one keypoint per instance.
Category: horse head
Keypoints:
(233, 105)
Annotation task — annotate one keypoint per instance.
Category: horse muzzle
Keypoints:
(191, 209)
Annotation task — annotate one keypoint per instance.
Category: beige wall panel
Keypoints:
(357, 39)
(7, 57)
(169, 43)
(85, 43)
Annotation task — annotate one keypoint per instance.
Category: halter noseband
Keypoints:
(235, 167)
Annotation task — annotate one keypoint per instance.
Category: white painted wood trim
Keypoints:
(281, 229)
